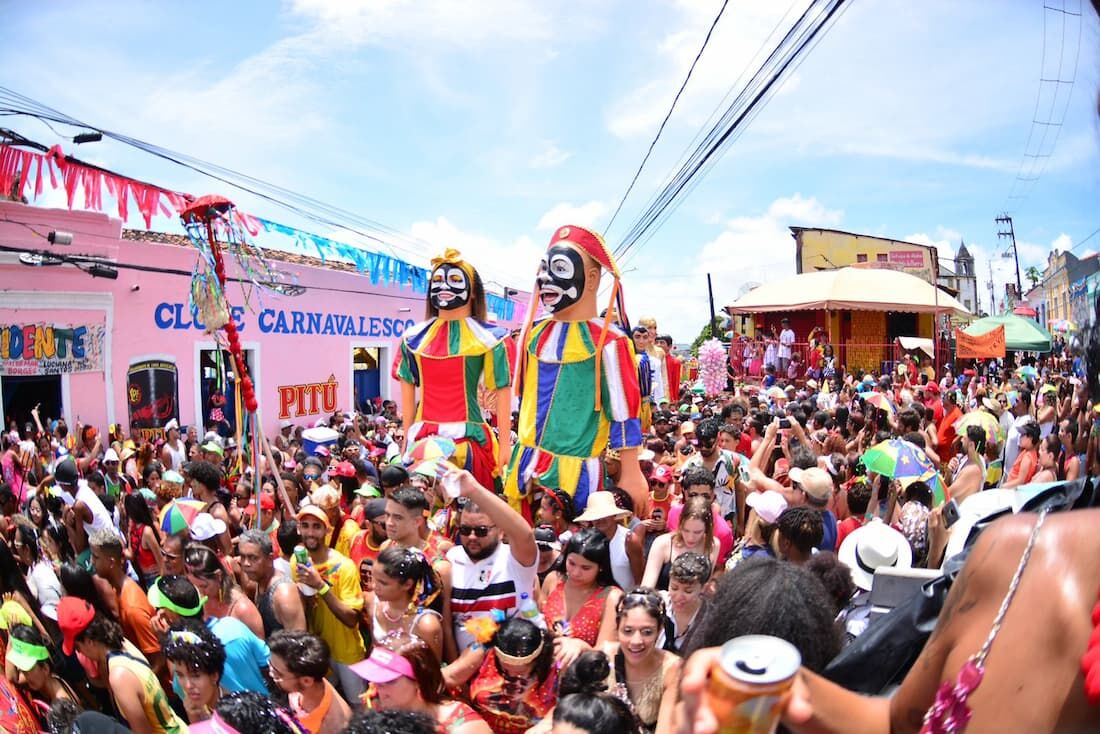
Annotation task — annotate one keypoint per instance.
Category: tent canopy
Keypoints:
(915, 343)
(858, 289)
(1021, 333)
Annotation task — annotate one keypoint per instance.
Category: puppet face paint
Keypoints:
(561, 278)
(449, 288)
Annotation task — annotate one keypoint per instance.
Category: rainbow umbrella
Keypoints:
(880, 401)
(988, 422)
(897, 458)
(1027, 372)
(430, 448)
(178, 514)
(934, 481)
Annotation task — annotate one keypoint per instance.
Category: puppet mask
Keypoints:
(450, 288)
(561, 278)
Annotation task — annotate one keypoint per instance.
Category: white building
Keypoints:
(961, 279)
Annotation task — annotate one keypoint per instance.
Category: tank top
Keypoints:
(146, 561)
(177, 455)
(378, 632)
(646, 703)
(160, 715)
(266, 606)
(620, 563)
(585, 624)
(100, 517)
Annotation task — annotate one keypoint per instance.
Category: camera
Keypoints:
(784, 423)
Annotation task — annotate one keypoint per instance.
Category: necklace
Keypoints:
(393, 620)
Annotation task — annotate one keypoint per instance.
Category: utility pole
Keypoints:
(1004, 219)
(992, 290)
(713, 318)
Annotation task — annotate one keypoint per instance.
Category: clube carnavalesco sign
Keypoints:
(50, 349)
(280, 321)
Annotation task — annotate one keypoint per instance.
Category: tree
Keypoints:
(1032, 273)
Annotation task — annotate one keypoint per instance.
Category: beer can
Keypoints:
(750, 684)
(301, 555)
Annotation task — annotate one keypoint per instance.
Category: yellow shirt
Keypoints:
(341, 574)
(161, 717)
(347, 532)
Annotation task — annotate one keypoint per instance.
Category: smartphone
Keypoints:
(950, 513)
(784, 423)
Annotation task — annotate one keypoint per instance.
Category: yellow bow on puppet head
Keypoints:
(452, 256)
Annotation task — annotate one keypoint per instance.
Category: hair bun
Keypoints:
(588, 674)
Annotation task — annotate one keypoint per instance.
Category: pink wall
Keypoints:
(147, 316)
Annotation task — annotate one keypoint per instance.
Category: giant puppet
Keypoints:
(446, 356)
(577, 380)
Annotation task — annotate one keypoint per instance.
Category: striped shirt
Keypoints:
(479, 587)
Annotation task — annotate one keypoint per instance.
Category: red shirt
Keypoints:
(946, 432)
(845, 528)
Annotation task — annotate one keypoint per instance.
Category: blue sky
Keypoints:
(485, 125)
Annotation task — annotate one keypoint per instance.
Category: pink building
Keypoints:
(129, 351)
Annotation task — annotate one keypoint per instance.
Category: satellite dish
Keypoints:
(746, 287)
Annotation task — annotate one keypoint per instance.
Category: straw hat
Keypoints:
(601, 505)
(874, 546)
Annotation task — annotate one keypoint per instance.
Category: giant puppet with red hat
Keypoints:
(576, 379)
(445, 358)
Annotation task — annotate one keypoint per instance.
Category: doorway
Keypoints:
(367, 377)
(217, 390)
(22, 393)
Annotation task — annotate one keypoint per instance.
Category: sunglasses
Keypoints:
(657, 483)
(311, 477)
(480, 531)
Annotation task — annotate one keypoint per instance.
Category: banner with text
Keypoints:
(50, 349)
(984, 346)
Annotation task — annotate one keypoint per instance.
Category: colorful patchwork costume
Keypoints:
(446, 360)
(578, 388)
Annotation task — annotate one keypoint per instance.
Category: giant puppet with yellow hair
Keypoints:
(577, 380)
(445, 357)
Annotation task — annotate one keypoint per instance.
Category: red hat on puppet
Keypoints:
(588, 242)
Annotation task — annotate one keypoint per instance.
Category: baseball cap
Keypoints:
(73, 617)
(342, 469)
(267, 501)
(213, 448)
(815, 481)
(374, 509)
(661, 473)
(285, 424)
(315, 512)
(171, 424)
(769, 505)
(546, 537)
(110, 455)
(205, 526)
(25, 655)
(383, 666)
(189, 603)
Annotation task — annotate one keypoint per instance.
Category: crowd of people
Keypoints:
(161, 585)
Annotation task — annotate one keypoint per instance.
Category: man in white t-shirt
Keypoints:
(786, 339)
(486, 573)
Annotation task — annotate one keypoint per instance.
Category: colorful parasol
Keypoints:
(934, 481)
(897, 458)
(880, 401)
(1045, 389)
(988, 422)
(430, 448)
(1062, 326)
(1028, 372)
(178, 514)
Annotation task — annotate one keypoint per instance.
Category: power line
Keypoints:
(668, 114)
(753, 97)
(1033, 163)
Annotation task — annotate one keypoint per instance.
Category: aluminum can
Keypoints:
(301, 555)
(750, 684)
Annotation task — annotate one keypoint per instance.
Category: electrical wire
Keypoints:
(753, 97)
(668, 114)
(725, 123)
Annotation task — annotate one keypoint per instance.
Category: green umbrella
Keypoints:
(1021, 333)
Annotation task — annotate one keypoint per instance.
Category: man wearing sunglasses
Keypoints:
(486, 573)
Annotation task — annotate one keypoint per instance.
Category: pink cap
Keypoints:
(383, 666)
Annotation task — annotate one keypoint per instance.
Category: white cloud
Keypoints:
(749, 249)
(584, 215)
(550, 156)
(508, 262)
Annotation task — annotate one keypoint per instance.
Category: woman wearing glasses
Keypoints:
(642, 674)
(406, 598)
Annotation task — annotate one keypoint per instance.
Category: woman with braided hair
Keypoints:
(406, 599)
